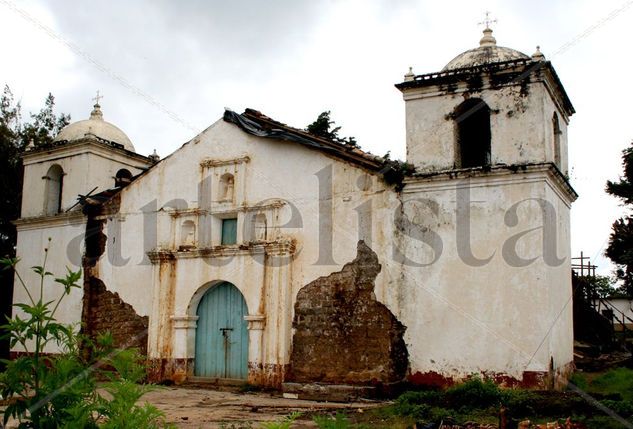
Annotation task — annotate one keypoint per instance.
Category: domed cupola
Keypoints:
(489, 107)
(487, 53)
(95, 126)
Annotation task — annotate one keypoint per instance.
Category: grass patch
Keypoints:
(481, 401)
(618, 381)
(338, 421)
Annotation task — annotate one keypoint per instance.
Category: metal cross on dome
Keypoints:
(488, 20)
(97, 98)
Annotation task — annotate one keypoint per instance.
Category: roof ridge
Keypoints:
(256, 123)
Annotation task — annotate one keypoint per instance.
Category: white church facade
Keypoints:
(262, 253)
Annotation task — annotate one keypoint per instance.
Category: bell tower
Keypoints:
(488, 138)
(488, 106)
(89, 156)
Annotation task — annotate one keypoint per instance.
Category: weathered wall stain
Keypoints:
(167, 371)
(343, 335)
(267, 374)
(553, 379)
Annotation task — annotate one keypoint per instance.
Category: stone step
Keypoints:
(213, 383)
(328, 392)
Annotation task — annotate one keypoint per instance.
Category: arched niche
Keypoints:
(54, 189)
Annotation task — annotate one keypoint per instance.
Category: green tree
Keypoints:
(603, 287)
(45, 125)
(620, 248)
(15, 135)
(325, 127)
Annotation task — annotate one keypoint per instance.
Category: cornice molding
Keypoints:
(209, 163)
(494, 175)
(39, 222)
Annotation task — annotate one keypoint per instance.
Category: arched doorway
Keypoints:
(221, 334)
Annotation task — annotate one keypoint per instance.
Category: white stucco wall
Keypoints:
(464, 318)
(65, 250)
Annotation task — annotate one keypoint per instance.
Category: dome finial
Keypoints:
(410, 75)
(538, 55)
(154, 157)
(96, 112)
(487, 40)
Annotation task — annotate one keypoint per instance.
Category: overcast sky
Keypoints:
(168, 69)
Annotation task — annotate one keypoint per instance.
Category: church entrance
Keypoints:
(221, 334)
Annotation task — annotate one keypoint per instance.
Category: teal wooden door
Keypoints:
(229, 231)
(221, 334)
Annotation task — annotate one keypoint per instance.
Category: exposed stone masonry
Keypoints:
(107, 312)
(343, 335)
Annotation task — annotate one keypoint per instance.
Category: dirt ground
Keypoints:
(201, 408)
(226, 409)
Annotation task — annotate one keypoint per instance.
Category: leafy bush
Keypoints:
(519, 402)
(416, 404)
(60, 391)
(474, 394)
(439, 414)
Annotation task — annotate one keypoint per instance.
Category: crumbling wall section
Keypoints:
(342, 334)
(104, 311)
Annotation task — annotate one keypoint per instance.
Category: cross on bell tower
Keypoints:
(97, 98)
(96, 111)
(488, 39)
(487, 21)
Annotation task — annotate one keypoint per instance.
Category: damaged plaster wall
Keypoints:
(342, 334)
(105, 311)
(269, 274)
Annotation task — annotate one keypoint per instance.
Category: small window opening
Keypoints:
(54, 188)
(123, 177)
(229, 231)
(188, 234)
(472, 121)
(557, 132)
(227, 187)
(260, 232)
